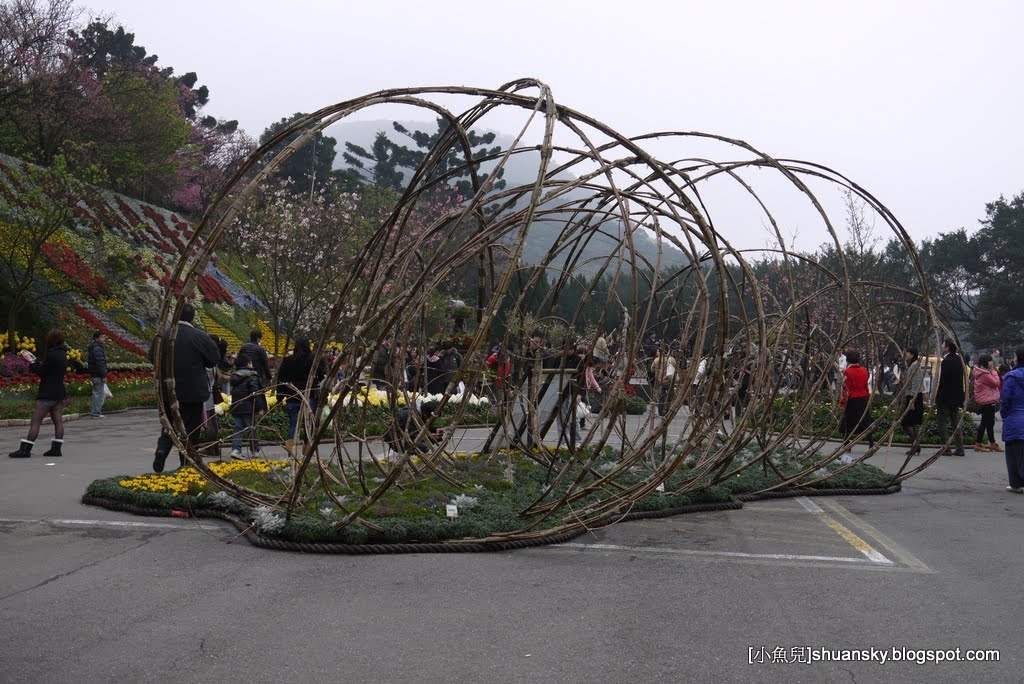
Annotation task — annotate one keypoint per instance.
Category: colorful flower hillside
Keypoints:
(108, 270)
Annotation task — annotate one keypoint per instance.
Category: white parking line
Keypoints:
(131, 524)
(809, 505)
(724, 554)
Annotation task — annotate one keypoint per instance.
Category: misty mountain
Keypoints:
(520, 169)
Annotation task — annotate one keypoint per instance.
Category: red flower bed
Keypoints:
(67, 262)
(9, 196)
(103, 211)
(113, 377)
(18, 380)
(213, 291)
(157, 218)
(182, 226)
(96, 323)
(129, 213)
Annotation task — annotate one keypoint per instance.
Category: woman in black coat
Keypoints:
(293, 378)
(51, 397)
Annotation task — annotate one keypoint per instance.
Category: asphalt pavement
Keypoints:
(92, 595)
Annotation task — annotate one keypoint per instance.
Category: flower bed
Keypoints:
(213, 291)
(369, 414)
(107, 330)
(489, 493)
(131, 389)
(71, 265)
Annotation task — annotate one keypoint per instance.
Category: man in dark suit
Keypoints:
(194, 352)
(949, 398)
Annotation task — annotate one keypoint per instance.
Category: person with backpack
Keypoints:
(245, 407)
(97, 360)
(255, 350)
(985, 386)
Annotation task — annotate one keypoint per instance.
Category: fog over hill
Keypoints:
(520, 169)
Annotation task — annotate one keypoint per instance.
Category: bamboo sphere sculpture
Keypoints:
(738, 339)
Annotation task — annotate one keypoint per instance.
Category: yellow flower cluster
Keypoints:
(224, 407)
(257, 466)
(178, 482)
(105, 304)
(270, 341)
(20, 342)
(184, 480)
(214, 328)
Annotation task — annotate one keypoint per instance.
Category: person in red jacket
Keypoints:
(854, 398)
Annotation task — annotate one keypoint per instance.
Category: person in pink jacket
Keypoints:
(986, 384)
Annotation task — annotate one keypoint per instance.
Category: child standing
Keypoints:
(245, 387)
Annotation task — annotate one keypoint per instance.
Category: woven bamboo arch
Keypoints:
(590, 182)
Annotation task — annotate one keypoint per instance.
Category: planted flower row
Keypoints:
(76, 384)
(70, 264)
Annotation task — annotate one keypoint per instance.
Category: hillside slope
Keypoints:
(108, 271)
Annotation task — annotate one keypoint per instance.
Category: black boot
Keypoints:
(158, 462)
(24, 450)
(54, 449)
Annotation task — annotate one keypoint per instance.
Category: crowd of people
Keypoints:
(203, 372)
(986, 388)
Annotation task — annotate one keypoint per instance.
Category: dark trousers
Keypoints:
(987, 424)
(292, 408)
(1015, 462)
(949, 415)
(854, 416)
(192, 416)
(663, 392)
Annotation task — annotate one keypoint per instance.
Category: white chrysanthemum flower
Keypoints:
(221, 498)
(266, 520)
(464, 501)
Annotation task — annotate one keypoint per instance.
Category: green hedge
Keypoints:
(826, 419)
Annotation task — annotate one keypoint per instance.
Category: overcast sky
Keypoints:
(919, 102)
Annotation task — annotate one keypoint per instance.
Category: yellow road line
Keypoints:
(905, 557)
(845, 533)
